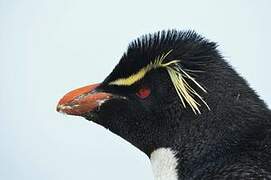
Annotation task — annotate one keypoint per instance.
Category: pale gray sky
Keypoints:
(48, 47)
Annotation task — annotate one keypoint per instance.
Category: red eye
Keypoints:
(143, 92)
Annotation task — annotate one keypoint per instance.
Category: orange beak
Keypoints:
(82, 100)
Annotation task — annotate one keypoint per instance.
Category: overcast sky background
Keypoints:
(48, 47)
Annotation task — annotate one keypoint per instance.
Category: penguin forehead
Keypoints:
(137, 75)
(144, 50)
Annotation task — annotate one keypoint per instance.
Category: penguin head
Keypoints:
(158, 84)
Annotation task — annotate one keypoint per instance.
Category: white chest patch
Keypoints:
(164, 164)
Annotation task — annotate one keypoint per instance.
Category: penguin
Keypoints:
(173, 96)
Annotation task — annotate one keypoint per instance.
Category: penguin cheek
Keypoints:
(109, 113)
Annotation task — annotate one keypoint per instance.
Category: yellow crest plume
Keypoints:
(178, 77)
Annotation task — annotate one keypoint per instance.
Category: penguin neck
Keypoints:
(164, 164)
(172, 164)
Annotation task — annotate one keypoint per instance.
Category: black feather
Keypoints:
(231, 141)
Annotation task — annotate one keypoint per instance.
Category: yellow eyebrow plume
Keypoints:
(131, 79)
(178, 77)
(141, 73)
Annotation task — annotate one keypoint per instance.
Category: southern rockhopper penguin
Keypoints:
(173, 96)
